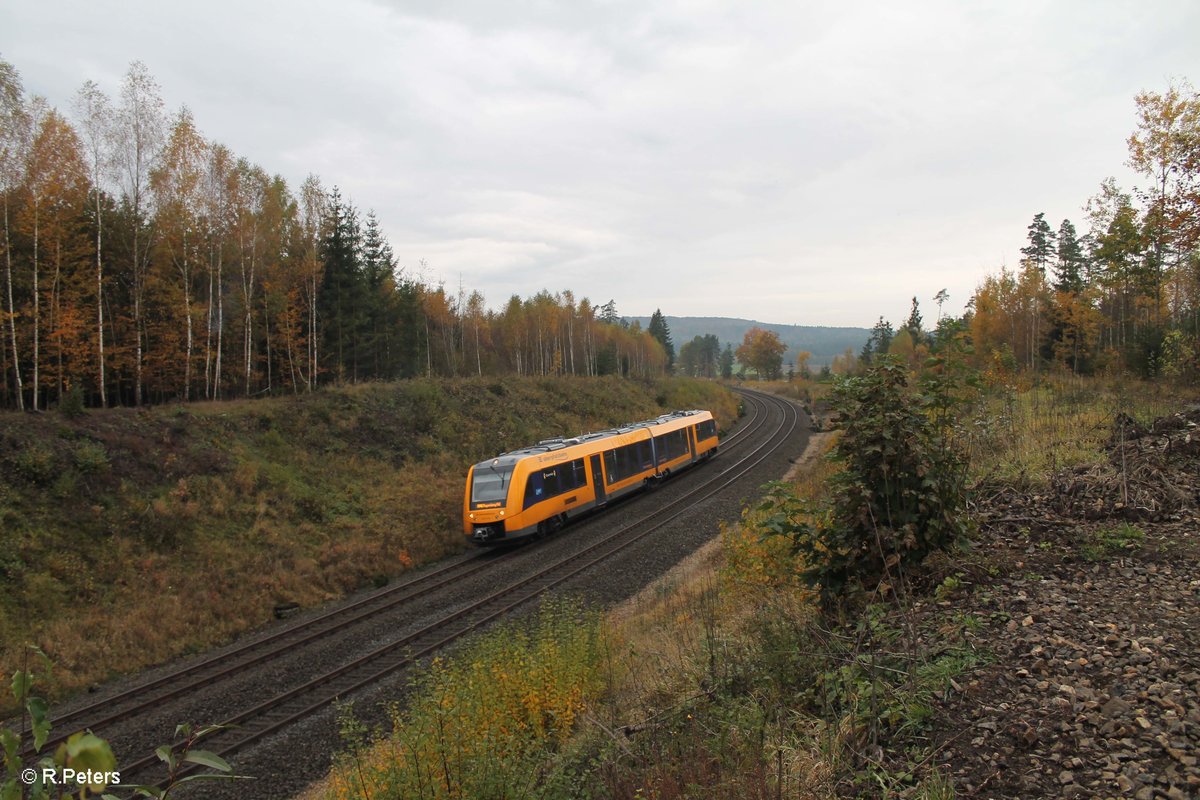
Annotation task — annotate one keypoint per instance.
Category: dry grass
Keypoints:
(165, 531)
(1025, 432)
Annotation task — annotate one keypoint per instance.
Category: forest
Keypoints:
(144, 263)
(1120, 296)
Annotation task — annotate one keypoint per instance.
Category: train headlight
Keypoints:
(472, 516)
(502, 513)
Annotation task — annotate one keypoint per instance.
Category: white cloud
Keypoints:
(809, 163)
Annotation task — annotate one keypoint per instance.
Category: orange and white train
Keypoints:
(532, 491)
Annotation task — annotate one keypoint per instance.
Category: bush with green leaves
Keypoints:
(84, 761)
(82, 752)
(901, 490)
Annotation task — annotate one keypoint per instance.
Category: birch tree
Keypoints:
(94, 115)
(14, 139)
(313, 212)
(140, 134)
(216, 211)
(177, 186)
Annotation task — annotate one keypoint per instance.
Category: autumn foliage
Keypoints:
(145, 263)
(1125, 295)
(762, 351)
(482, 721)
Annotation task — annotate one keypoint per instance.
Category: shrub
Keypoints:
(91, 457)
(36, 464)
(899, 493)
(71, 405)
(480, 723)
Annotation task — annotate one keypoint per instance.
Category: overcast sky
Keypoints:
(808, 163)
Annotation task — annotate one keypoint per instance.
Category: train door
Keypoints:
(598, 481)
(691, 434)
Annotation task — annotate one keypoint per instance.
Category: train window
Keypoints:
(535, 489)
(546, 483)
(706, 430)
(490, 484)
(579, 476)
(622, 462)
(552, 478)
(671, 445)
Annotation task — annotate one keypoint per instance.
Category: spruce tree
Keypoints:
(1071, 260)
(913, 325)
(879, 342)
(727, 362)
(659, 330)
(342, 292)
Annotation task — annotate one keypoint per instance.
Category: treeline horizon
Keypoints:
(144, 263)
(1124, 295)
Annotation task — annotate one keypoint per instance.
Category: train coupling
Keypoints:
(486, 533)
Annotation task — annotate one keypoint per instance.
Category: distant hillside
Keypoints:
(823, 343)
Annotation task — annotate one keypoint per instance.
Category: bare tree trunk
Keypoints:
(478, 358)
(55, 318)
(287, 335)
(187, 310)
(267, 339)
(138, 287)
(100, 304)
(571, 340)
(220, 325)
(37, 310)
(12, 315)
(312, 329)
(208, 318)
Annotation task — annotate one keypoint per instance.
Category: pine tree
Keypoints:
(608, 313)
(1040, 249)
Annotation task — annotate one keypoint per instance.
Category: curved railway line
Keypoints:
(774, 421)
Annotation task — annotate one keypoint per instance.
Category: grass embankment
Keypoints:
(129, 536)
(1023, 432)
(721, 680)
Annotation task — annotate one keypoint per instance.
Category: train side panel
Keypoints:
(545, 488)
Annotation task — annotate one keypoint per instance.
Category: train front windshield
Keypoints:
(490, 484)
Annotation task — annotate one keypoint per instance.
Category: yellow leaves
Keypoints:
(477, 718)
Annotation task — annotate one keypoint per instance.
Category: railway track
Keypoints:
(260, 721)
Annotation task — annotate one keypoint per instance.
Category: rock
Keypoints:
(1116, 707)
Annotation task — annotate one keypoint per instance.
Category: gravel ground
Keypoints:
(1094, 685)
(288, 762)
(1089, 599)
